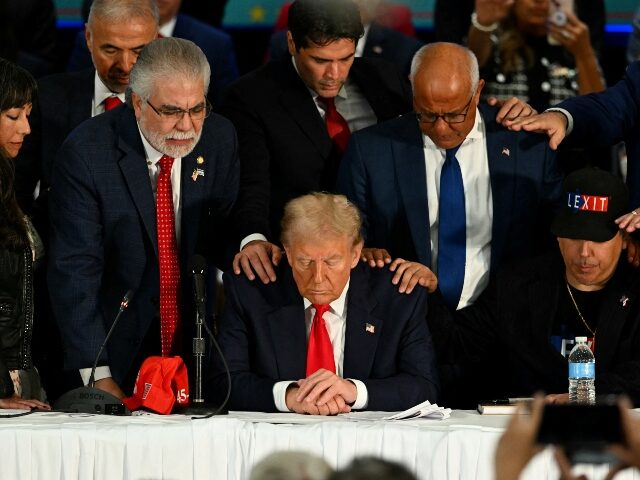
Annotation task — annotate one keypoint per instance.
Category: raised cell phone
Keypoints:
(558, 15)
(585, 431)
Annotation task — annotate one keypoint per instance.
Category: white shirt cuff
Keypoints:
(101, 372)
(362, 397)
(280, 394)
(251, 238)
(566, 114)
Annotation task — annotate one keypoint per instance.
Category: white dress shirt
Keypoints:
(336, 322)
(474, 165)
(166, 30)
(153, 157)
(100, 94)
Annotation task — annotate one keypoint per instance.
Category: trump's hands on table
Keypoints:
(322, 393)
(259, 256)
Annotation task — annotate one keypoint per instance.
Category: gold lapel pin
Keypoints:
(200, 160)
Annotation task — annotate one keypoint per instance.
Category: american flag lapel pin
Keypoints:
(197, 172)
(506, 151)
(624, 300)
(370, 328)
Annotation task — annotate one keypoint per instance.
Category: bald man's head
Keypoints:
(446, 92)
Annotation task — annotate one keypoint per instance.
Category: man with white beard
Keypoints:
(135, 193)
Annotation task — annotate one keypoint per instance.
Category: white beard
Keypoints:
(159, 141)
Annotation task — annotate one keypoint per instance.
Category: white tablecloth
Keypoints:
(62, 446)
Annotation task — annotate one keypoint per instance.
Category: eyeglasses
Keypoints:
(449, 117)
(175, 114)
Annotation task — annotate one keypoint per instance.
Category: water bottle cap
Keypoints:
(581, 339)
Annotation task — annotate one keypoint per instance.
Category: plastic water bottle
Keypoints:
(582, 373)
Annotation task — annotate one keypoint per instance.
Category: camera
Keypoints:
(585, 431)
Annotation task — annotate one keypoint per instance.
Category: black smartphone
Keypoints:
(585, 431)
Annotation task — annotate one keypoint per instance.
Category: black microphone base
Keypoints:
(90, 400)
(202, 409)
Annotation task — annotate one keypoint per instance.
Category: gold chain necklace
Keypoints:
(593, 332)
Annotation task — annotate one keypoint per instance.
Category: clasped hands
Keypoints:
(322, 393)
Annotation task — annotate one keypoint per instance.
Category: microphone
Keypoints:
(124, 304)
(198, 268)
(90, 399)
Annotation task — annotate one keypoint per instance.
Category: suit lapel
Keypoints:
(192, 193)
(408, 156)
(134, 170)
(296, 99)
(502, 154)
(363, 327)
(288, 332)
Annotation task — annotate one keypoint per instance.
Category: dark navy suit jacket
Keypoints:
(104, 240)
(216, 45)
(383, 172)
(263, 337)
(609, 117)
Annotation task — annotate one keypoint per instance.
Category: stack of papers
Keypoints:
(422, 410)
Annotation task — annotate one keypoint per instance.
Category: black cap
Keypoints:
(593, 200)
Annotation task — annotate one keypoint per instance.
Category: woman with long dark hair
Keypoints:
(20, 249)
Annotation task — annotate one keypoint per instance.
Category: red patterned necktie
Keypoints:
(337, 126)
(319, 349)
(168, 259)
(111, 102)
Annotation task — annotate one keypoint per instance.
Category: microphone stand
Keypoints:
(198, 354)
(198, 405)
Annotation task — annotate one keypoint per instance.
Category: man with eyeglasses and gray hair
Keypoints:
(135, 193)
(447, 186)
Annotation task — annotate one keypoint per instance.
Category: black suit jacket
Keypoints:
(285, 150)
(104, 239)
(514, 317)
(63, 103)
(263, 338)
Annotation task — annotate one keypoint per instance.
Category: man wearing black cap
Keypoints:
(533, 311)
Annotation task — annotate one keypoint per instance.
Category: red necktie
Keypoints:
(111, 102)
(168, 259)
(319, 349)
(337, 126)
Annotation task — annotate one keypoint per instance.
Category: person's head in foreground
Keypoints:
(292, 465)
(589, 239)
(322, 239)
(372, 468)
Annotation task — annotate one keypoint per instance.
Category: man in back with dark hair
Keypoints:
(294, 118)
